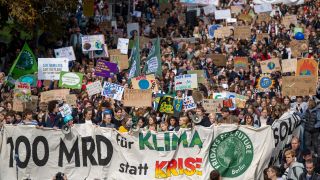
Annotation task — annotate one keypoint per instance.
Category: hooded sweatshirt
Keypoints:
(293, 172)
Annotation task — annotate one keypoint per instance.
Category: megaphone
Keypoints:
(197, 119)
(66, 129)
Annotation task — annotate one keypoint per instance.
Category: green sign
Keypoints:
(70, 80)
(231, 153)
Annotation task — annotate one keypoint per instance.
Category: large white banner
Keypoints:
(279, 1)
(50, 68)
(90, 152)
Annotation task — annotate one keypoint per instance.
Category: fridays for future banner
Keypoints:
(103, 153)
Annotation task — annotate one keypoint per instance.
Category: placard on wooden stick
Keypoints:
(137, 98)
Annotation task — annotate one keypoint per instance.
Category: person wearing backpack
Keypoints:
(293, 168)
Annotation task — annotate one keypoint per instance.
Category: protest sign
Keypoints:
(70, 80)
(289, 65)
(262, 36)
(143, 155)
(236, 9)
(209, 9)
(166, 105)
(92, 42)
(240, 101)
(144, 42)
(263, 17)
(58, 94)
(307, 67)
(289, 19)
(105, 26)
(114, 52)
(50, 68)
(145, 82)
(201, 76)
(271, 65)
(113, 91)
(242, 32)
(137, 98)
(298, 85)
(131, 28)
(121, 60)
(222, 32)
(197, 96)
(265, 83)
(212, 105)
(288, 2)
(123, 45)
(241, 63)
(20, 106)
(99, 53)
(66, 52)
(105, 69)
(187, 81)
(177, 104)
(94, 88)
(22, 92)
(222, 14)
(202, 2)
(261, 8)
(231, 20)
(218, 59)
(88, 7)
(298, 47)
(188, 103)
(71, 99)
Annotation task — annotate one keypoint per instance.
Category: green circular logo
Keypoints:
(25, 61)
(231, 153)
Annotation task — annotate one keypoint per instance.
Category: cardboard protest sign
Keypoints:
(222, 32)
(121, 60)
(298, 85)
(212, 105)
(70, 80)
(50, 68)
(265, 83)
(20, 106)
(222, 14)
(307, 67)
(66, 52)
(240, 101)
(298, 47)
(289, 19)
(236, 9)
(114, 52)
(241, 63)
(187, 81)
(197, 96)
(99, 53)
(58, 94)
(22, 92)
(261, 36)
(261, 8)
(201, 76)
(245, 17)
(92, 42)
(123, 45)
(71, 99)
(137, 98)
(94, 88)
(218, 59)
(271, 65)
(145, 82)
(263, 17)
(188, 103)
(166, 105)
(131, 27)
(289, 65)
(105, 69)
(242, 32)
(113, 91)
(88, 7)
(143, 41)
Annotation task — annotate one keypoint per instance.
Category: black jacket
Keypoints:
(314, 176)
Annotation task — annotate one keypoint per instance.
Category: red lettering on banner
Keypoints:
(177, 167)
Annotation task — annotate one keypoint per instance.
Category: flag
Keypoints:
(135, 60)
(153, 64)
(24, 64)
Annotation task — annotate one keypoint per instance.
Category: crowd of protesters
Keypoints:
(300, 160)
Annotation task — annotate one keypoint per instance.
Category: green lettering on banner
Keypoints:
(196, 140)
(144, 141)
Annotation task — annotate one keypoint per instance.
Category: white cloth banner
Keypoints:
(296, 2)
(90, 152)
(66, 52)
(50, 68)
